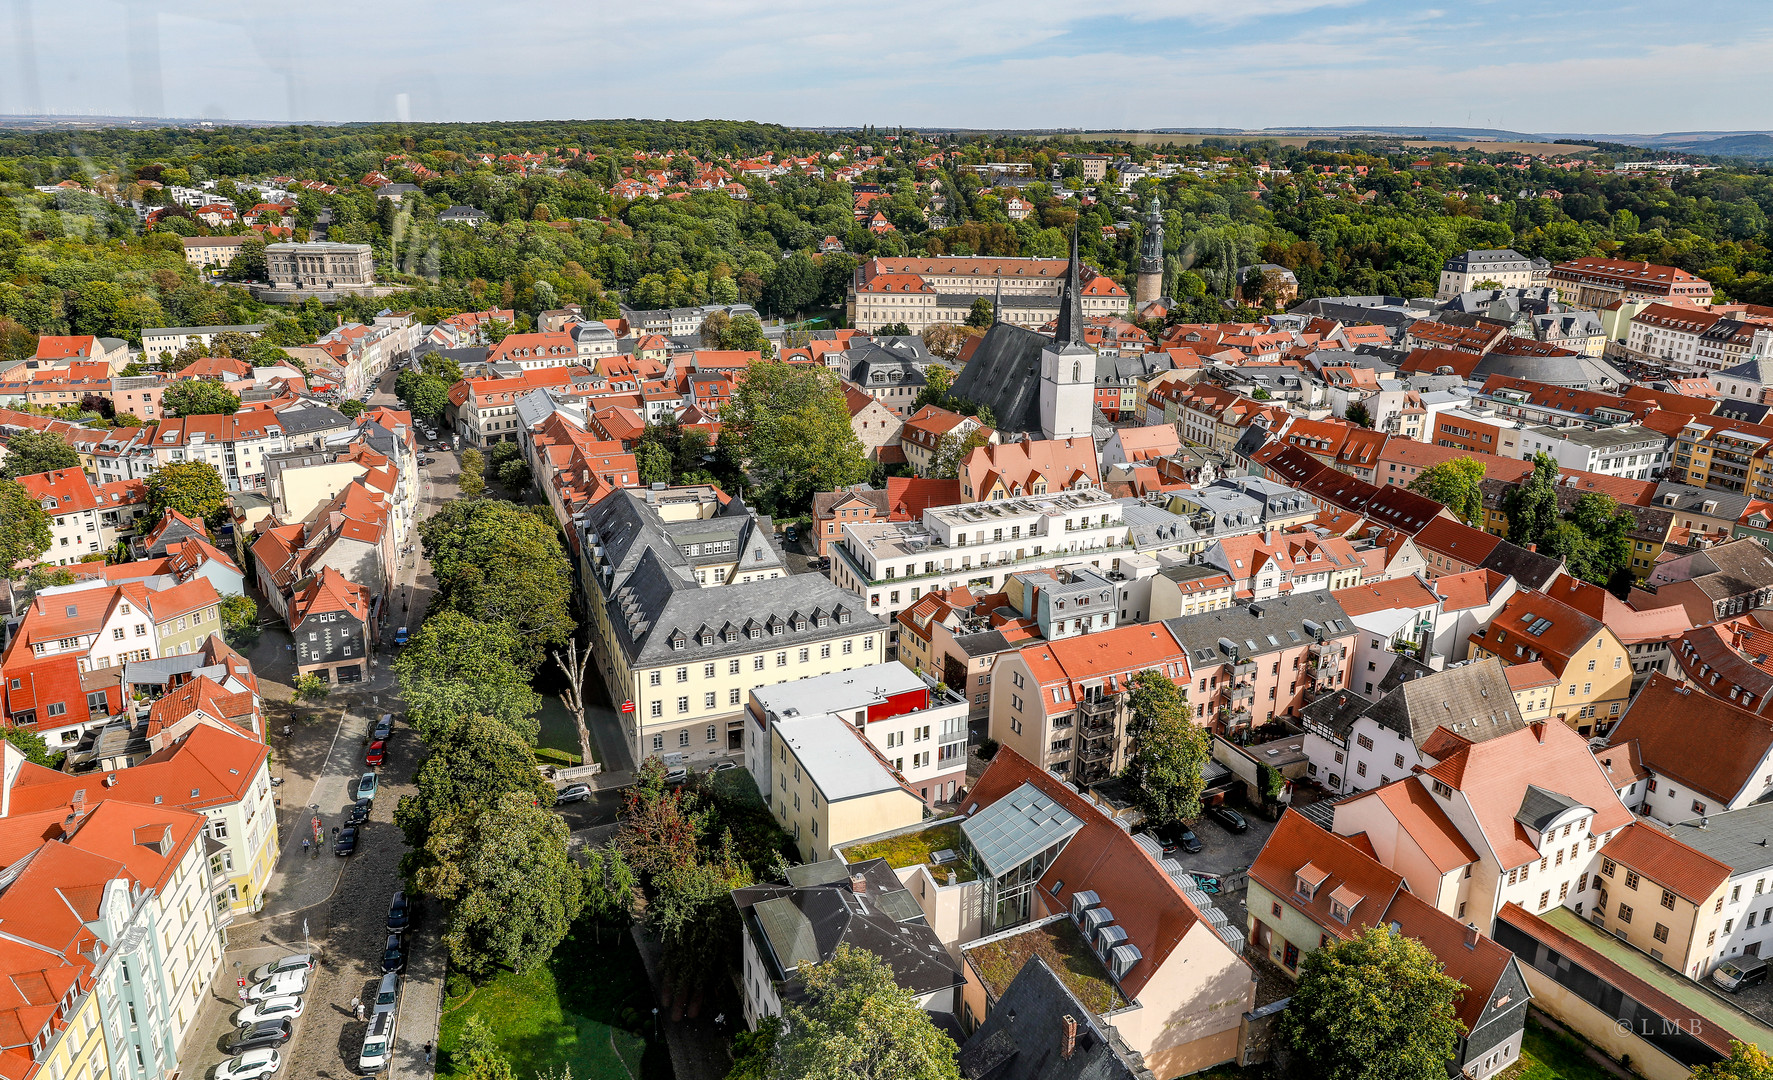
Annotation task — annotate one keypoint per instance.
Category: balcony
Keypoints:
(1243, 670)
(1096, 749)
(1097, 707)
(1244, 692)
(1095, 727)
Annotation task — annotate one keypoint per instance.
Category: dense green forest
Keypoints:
(74, 260)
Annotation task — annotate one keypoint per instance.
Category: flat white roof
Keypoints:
(834, 755)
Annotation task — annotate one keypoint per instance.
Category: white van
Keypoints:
(378, 1044)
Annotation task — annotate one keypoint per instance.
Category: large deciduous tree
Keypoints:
(31, 452)
(426, 395)
(471, 764)
(1532, 505)
(193, 488)
(1377, 1007)
(1455, 485)
(503, 563)
(458, 666)
(199, 397)
(504, 876)
(24, 527)
(853, 1020)
(1169, 751)
(790, 427)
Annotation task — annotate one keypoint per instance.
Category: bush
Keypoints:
(987, 749)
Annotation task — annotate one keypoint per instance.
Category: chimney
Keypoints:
(1069, 1045)
(1538, 727)
(1471, 936)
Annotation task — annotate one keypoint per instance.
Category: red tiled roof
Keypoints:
(1101, 858)
(1705, 743)
(1330, 865)
(1658, 856)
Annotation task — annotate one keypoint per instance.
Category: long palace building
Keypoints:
(920, 292)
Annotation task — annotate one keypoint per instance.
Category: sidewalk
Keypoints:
(699, 1051)
(421, 1001)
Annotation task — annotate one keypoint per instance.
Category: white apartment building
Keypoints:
(918, 727)
(1629, 450)
(1670, 332)
(980, 544)
(1507, 268)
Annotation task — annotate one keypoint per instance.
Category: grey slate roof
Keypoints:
(648, 576)
(308, 417)
(794, 925)
(1283, 623)
(1473, 701)
(1742, 839)
(1578, 372)
(1693, 499)
(1023, 1036)
(1004, 375)
(1540, 807)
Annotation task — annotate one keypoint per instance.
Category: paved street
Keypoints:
(336, 907)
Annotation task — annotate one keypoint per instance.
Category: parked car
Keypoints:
(1229, 818)
(384, 728)
(278, 1008)
(300, 961)
(722, 766)
(792, 534)
(281, 984)
(376, 754)
(676, 774)
(388, 993)
(1743, 971)
(573, 793)
(400, 636)
(261, 1034)
(393, 955)
(426, 460)
(378, 1041)
(252, 1065)
(1176, 838)
(366, 786)
(359, 812)
(399, 913)
(347, 841)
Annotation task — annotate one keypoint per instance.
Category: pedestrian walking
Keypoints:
(356, 1004)
(306, 843)
(359, 1010)
(429, 1051)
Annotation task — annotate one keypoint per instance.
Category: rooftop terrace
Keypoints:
(1058, 942)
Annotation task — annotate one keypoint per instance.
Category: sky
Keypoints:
(1622, 66)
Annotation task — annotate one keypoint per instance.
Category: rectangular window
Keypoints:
(1625, 914)
(683, 704)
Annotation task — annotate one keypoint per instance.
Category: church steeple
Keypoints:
(997, 301)
(1071, 320)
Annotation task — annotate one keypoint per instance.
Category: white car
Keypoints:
(287, 1007)
(281, 984)
(252, 1065)
(304, 961)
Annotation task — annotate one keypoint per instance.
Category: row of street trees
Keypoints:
(481, 835)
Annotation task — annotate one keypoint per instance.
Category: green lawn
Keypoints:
(1552, 1055)
(591, 1008)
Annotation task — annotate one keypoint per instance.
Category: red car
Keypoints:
(377, 751)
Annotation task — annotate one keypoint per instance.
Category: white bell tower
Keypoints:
(1068, 367)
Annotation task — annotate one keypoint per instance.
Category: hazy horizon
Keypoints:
(1586, 67)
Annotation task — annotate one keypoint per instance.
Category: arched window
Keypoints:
(1077, 372)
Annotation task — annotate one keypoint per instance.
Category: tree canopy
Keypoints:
(1456, 485)
(789, 425)
(199, 397)
(471, 763)
(1169, 751)
(24, 525)
(193, 488)
(31, 452)
(458, 666)
(502, 563)
(510, 887)
(1377, 1007)
(853, 1020)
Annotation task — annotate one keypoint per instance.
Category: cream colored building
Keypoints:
(832, 787)
(692, 606)
(206, 252)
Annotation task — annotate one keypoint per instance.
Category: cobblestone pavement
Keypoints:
(336, 907)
